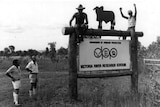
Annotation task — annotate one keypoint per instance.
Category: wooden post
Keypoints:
(100, 32)
(134, 76)
(72, 67)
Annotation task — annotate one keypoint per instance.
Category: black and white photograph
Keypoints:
(79, 53)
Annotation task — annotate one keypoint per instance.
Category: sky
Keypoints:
(32, 24)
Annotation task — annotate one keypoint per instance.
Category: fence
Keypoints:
(152, 66)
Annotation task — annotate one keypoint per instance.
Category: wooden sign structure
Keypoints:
(99, 32)
(100, 55)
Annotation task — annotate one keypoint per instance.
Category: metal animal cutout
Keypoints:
(106, 16)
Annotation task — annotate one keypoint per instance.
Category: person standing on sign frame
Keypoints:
(81, 22)
(131, 21)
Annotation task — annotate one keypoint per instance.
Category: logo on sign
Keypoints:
(105, 53)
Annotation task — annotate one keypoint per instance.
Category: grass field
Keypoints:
(53, 88)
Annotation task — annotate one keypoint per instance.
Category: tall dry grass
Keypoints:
(53, 89)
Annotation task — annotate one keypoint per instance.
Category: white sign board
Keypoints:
(99, 54)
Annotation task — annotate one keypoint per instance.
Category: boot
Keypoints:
(34, 91)
(30, 93)
(15, 99)
(34, 94)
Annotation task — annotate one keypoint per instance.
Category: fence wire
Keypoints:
(153, 84)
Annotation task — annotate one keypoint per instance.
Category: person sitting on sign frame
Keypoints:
(81, 22)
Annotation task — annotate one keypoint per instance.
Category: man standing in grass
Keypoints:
(14, 73)
(32, 67)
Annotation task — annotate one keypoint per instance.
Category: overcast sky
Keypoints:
(32, 24)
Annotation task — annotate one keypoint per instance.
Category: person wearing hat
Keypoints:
(32, 67)
(131, 20)
(81, 21)
(14, 72)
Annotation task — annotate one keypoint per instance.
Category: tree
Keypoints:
(47, 51)
(2, 53)
(153, 50)
(12, 48)
(142, 51)
(52, 51)
(19, 53)
(32, 52)
(62, 51)
(6, 51)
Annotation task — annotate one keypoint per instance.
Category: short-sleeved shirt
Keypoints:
(80, 17)
(131, 22)
(33, 67)
(15, 72)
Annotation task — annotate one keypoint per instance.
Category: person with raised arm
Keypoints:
(131, 20)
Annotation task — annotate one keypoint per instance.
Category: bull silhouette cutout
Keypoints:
(106, 16)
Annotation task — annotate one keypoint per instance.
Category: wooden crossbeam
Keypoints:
(125, 73)
(100, 32)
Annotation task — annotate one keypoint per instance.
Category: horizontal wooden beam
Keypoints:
(125, 73)
(100, 32)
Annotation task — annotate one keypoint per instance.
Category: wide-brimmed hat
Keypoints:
(80, 7)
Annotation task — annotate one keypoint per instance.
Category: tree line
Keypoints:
(49, 52)
(152, 51)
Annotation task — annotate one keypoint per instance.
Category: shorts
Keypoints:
(33, 78)
(16, 84)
